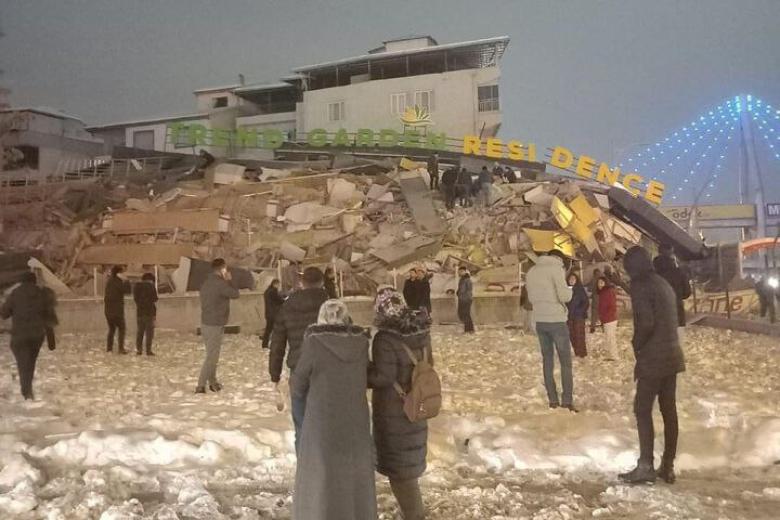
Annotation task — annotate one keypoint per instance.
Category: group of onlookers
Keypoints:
(145, 297)
(657, 290)
(458, 184)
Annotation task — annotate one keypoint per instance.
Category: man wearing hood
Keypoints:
(549, 293)
(659, 359)
(665, 266)
(299, 311)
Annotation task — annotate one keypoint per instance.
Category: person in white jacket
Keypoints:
(549, 292)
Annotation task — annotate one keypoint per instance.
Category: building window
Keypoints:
(220, 102)
(424, 99)
(488, 98)
(336, 111)
(143, 139)
(398, 103)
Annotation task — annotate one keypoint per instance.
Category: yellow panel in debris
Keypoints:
(582, 233)
(408, 164)
(562, 212)
(584, 211)
(543, 241)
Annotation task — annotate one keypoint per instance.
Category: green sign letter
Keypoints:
(436, 141)
(273, 138)
(246, 138)
(341, 138)
(317, 137)
(388, 138)
(365, 137)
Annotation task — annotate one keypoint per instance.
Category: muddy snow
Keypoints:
(123, 437)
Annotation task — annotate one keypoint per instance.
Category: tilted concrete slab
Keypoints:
(419, 198)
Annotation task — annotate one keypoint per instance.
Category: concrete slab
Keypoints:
(419, 198)
(145, 254)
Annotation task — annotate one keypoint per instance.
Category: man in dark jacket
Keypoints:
(31, 311)
(114, 304)
(424, 290)
(485, 181)
(449, 180)
(215, 295)
(465, 185)
(410, 291)
(667, 268)
(273, 304)
(510, 175)
(594, 300)
(433, 171)
(659, 359)
(465, 295)
(145, 296)
(298, 312)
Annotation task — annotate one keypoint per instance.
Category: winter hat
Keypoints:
(333, 312)
(393, 313)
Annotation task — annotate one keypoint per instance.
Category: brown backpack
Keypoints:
(423, 400)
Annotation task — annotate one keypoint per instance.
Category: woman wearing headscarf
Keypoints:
(401, 445)
(335, 474)
(578, 315)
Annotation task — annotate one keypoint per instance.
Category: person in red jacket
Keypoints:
(608, 315)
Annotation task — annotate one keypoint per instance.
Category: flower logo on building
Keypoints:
(416, 116)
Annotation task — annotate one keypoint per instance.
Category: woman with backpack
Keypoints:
(608, 315)
(401, 445)
(335, 474)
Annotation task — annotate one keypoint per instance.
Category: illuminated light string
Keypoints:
(704, 154)
(766, 136)
(686, 180)
(718, 168)
(661, 147)
(766, 127)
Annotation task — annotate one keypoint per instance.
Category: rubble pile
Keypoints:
(370, 222)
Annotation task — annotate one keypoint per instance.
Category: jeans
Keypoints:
(610, 333)
(298, 409)
(555, 337)
(407, 493)
(449, 196)
(464, 314)
(115, 323)
(26, 350)
(212, 338)
(145, 329)
(434, 184)
(647, 389)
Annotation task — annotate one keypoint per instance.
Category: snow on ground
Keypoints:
(124, 437)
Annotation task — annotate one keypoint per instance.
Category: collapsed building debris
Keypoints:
(371, 220)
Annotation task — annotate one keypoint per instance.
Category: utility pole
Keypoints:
(749, 165)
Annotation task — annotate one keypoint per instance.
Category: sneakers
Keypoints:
(200, 390)
(215, 387)
(553, 406)
(666, 472)
(643, 473)
(122, 351)
(150, 353)
(571, 408)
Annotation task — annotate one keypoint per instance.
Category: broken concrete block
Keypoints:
(227, 173)
(48, 278)
(387, 197)
(306, 214)
(291, 252)
(539, 196)
(139, 205)
(544, 240)
(350, 221)
(408, 251)
(340, 192)
(603, 200)
(376, 191)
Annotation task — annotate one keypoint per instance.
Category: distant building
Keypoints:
(40, 141)
(451, 87)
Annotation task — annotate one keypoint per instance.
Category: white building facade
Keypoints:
(453, 87)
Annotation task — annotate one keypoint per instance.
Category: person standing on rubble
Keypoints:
(410, 291)
(549, 293)
(465, 185)
(433, 171)
(145, 296)
(215, 295)
(449, 181)
(114, 306)
(401, 445)
(659, 359)
(273, 304)
(299, 311)
(666, 266)
(465, 295)
(509, 175)
(31, 309)
(485, 182)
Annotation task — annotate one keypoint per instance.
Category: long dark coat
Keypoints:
(668, 270)
(401, 446)
(335, 474)
(656, 344)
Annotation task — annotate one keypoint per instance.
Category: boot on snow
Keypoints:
(643, 473)
(666, 471)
